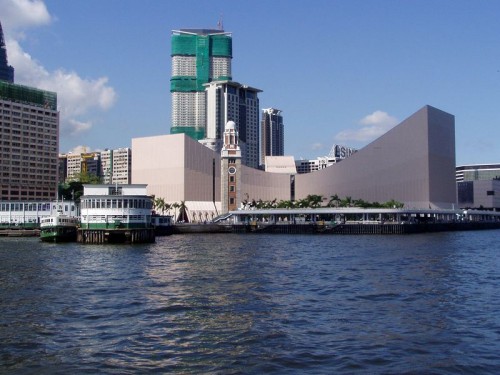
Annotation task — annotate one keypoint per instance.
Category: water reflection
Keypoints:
(252, 304)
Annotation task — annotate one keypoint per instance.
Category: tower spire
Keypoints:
(220, 23)
(6, 71)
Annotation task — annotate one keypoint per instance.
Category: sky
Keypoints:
(342, 71)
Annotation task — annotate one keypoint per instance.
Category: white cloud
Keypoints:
(373, 126)
(80, 149)
(77, 97)
(317, 146)
(20, 14)
(78, 127)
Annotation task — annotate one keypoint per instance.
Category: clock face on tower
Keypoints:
(232, 170)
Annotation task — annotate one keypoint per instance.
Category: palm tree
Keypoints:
(346, 202)
(245, 201)
(159, 204)
(361, 203)
(284, 204)
(334, 201)
(314, 200)
(183, 212)
(175, 206)
(393, 204)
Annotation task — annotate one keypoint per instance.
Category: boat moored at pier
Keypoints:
(59, 228)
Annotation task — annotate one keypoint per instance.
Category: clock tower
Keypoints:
(230, 169)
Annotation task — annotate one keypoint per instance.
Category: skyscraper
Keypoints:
(6, 71)
(29, 130)
(272, 134)
(199, 56)
(232, 101)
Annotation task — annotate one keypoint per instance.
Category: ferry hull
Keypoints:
(60, 234)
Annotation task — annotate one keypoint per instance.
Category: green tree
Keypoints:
(361, 203)
(346, 202)
(314, 200)
(87, 178)
(334, 201)
(183, 215)
(393, 204)
(175, 206)
(159, 205)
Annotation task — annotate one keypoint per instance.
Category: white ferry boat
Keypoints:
(59, 228)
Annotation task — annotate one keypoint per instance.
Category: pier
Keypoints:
(358, 221)
(101, 236)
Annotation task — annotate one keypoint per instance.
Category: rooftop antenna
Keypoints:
(220, 24)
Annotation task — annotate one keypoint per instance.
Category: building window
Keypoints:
(231, 187)
(231, 201)
(490, 192)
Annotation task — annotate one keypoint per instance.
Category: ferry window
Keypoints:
(98, 203)
(113, 203)
(93, 203)
(119, 203)
(125, 203)
(108, 203)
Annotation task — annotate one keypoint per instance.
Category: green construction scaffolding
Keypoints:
(203, 47)
(28, 95)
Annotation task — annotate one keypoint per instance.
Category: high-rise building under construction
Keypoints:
(199, 56)
(29, 130)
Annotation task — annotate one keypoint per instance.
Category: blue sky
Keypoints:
(341, 71)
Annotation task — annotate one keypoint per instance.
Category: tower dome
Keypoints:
(230, 125)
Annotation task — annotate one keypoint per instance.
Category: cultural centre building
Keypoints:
(413, 163)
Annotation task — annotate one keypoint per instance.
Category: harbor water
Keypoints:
(253, 304)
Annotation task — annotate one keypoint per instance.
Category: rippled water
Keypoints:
(252, 304)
